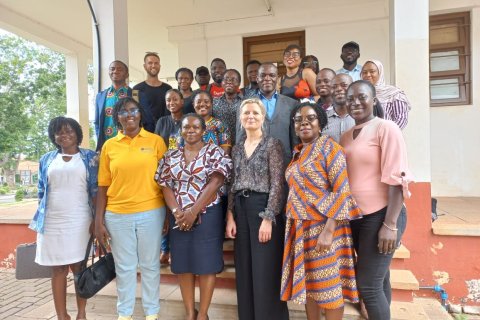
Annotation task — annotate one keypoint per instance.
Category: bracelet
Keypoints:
(175, 210)
(389, 228)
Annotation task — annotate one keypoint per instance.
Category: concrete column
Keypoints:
(409, 48)
(77, 91)
(112, 17)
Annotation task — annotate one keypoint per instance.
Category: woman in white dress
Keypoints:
(67, 187)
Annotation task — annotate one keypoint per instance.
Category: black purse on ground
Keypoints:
(93, 278)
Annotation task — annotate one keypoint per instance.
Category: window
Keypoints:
(450, 76)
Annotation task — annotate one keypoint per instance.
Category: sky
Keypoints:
(2, 32)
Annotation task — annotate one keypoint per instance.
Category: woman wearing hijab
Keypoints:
(393, 100)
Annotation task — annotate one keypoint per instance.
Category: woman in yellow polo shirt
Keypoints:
(130, 208)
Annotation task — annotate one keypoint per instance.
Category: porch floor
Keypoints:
(32, 300)
(457, 216)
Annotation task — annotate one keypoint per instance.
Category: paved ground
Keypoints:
(32, 299)
(18, 212)
(21, 296)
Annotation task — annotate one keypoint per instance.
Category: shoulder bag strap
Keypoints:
(89, 248)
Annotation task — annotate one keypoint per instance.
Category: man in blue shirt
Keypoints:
(278, 122)
(350, 54)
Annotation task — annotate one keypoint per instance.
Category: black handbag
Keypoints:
(93, 278)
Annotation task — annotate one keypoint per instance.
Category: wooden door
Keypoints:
(269, 48)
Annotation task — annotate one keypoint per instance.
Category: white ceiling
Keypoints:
(149, 21)
(72, 17)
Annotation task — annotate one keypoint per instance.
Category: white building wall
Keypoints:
(229, 48)
(455, 133)
(325, 41)
(326, 30)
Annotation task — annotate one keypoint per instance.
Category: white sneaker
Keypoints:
(125, 318)
(152, 317)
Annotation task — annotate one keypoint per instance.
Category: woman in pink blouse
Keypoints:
(378, 173)
(191, 178)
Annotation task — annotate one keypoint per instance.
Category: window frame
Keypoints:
(463, 45)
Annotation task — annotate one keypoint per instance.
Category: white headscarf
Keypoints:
(386, 93)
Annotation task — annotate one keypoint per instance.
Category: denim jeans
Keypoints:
(372, 269)
(136, 239)
(166, 243)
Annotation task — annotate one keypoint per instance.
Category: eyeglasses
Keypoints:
(289, 54)
(309, 118)
(128, 113)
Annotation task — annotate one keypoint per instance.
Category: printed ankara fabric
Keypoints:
(318, 190)
(189, 180)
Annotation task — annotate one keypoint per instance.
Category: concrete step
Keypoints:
(404, 284)
(403, 281)
(228, 245)
(402, 253)
(457, 216)
(399, 257)
(224, 305)
(452, 226)
(225, 279)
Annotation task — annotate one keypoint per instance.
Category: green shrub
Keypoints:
(34, 192)
(31, 192)
(19, 195)
(3, 191)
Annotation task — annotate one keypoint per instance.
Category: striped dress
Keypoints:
(318, 190)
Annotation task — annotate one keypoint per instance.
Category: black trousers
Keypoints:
(258, 265)
(372, 269)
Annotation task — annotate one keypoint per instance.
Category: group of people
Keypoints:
(307, 172)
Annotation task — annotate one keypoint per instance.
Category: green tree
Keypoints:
(32, 91)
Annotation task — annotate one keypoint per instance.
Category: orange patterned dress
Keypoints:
(318, 190)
